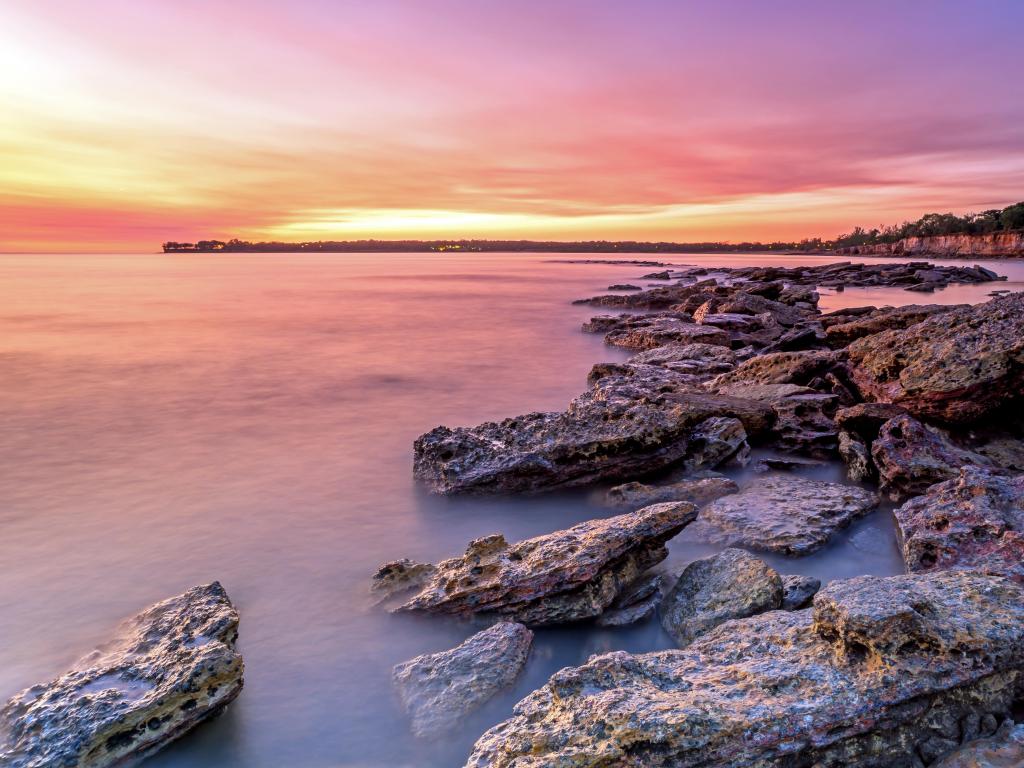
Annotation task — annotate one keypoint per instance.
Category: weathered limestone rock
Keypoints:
(783, 513)
(884, 319)
(881, 672)
(648, 333)
(911, 456)
(661, 297)
(713, 441)
(559, 577)
(778, 368)
(398, 577)
(1003, 750)
(956, 367)
(857, 457)
(974, 521)
(797, 591)
(171, 667)
(688, 358)
(858, 427)
(803, 424)
(730, 585)
(635, 603)
(698, 491)
(439, 689)
(621, 427)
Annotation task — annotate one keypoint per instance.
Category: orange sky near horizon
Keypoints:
(124, 125)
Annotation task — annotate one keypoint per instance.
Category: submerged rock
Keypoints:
(797, 591)
(730, 585)
(975, 521)
(881, 672)
(956, 367)
(439, 689)
(783, 513)
(699, 491)
(171, 667)
(910, 457)
(558, 577)
(1005, 749)
(620, 427)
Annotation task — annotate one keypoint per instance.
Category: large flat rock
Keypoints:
(621, 427)
(880, 672)
(956, 367)
(563, 576)
(783, 513)
(439, 689)
(170, 667)
(974, 521)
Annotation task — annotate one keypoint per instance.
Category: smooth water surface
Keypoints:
(171, 420)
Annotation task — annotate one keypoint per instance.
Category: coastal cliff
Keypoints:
(1002, 244)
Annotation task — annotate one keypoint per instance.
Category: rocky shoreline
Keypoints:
(920, 402)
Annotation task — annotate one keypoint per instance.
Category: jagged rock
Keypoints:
(778, 368)
(636, 602)
(910, 457)
(803, 424)
(956, 367)
(559, 577)
(887, 318)
(746, 303)
(974, 521)
(797, 591)
(1005, 452)
(698, 491)
(1003, 750)
(399, 577)
(661, 297)
(171, 667)
(865, 419)
(766, 393)
(624, 287)
(857, 457)
(713, 441)
(786, 463)
(730, 585)
(880, 671)
(621, 427)
(647, 333)
(783, 513)
(439, 689)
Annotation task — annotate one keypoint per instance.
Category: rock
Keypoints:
(559, 577)
(713, 441)
(786, 463)
(647, 333)
(635, 603)
(621, 427)
(778, 368)
(1005, 452)
(956, 367)
(171, 667)
(803, 424)
(701, 361)
(879, 670)
(783, 513)
(661, 297)
(439, 689)
(1004, 750)
(887, 318)
(399, 577)
(797, 591)
(910, 457)
(865, 419)
(974, 521)
(857, 457)
(697, 491)
(766, 393)
(730, 585)
(624, 287)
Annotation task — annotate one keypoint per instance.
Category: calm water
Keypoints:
(170, 420)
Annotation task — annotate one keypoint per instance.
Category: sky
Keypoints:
(123, 125)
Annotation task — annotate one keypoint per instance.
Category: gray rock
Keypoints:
(439, 689)
(698, 491)
(877, 673)
(563, 576)
(857, 457)
(797, 591)
(171, 667)
(730, 585)
(784, 513)
(399, 577)
(713, 441)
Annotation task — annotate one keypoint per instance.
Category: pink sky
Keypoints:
(126, 124)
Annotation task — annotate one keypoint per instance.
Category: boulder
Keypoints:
(620, 427)
(648, 333)
(169, 668)
(797, 591)
(803, 424)
(956, 367)
(974, 521)
(698, 491)
(636, 602)
(730, 585)
(910, 457)
(1005, 749)
(559, 577)
(399, 577)
(881, 672)
(783, 513)
(887, 318)
(778, 368)
(439, 689)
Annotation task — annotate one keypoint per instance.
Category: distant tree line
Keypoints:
(932, 224)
